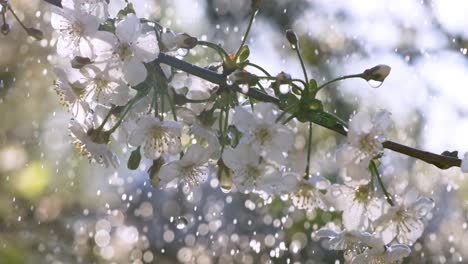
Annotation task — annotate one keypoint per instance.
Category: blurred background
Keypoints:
(55, 207)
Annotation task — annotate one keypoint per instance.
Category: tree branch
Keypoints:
(440, 161)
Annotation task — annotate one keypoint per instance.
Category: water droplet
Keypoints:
(226, 182)
(181, 222)
(374, 84)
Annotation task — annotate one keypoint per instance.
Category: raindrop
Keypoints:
(374, 84)
(181, 222)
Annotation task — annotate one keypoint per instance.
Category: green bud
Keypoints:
(5, 29)
(292, 38)
(316, 104)
(134, 160)
(377, 73)
(256, 4)
(243, 54)
(185, 41)
(153, 171)
(283, 78)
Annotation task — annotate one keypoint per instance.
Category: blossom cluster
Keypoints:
(184, 126)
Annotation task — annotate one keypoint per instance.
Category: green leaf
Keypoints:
(288, 100)
(312, 85)
(453, 154)
(243, 54)
(129, 9)
(108, 25)
(134, 160)
(323, 119)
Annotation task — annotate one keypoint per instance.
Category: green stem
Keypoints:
(173, 109)
(244, 39)
(105, 120)
(210, 99)
(257, 67)
(17, 18)
(375, 171)
(302, 64)
(127, 109)
(338, 79)
(224, 131)
(309, 150)
(301, 81)
(216, 47)
(440, 161)
(285, 111)
(156, 105)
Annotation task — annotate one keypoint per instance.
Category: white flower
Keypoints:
(191, 169)
(308, 195)
(365, 137)
(70, 95)
(209, 135)
(156, 137)
(193, 88)
(128, 49)
(344, 240)
(404, 220)
(464, 164)
(380, 254)
(98, 8)
(260, 130)
(252, 174)
(359, 209)
(89, 145)
(102, 88)
(76, 29)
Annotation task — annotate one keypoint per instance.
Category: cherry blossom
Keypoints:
(404, 220)
(191, 169)
(359, 208)
(156, 137)
(267, 138)
(88, 144)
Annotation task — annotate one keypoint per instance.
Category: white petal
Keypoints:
(354, 217)
(134, 72)
(464, 164)
(397, 252)
(136, 138)
(128, 29)
(146, 47)
(243, 120)
(423, 206)
(326, 233)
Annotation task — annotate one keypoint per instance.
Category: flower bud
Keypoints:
(256, 4)
(185, 41)
(35, 33)
(5, 29)
(241, 77)
(134, 159)
(292, 38)
(79, 62)
(283, 78)
(172, 41)
(153, 171)
(377, 73)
